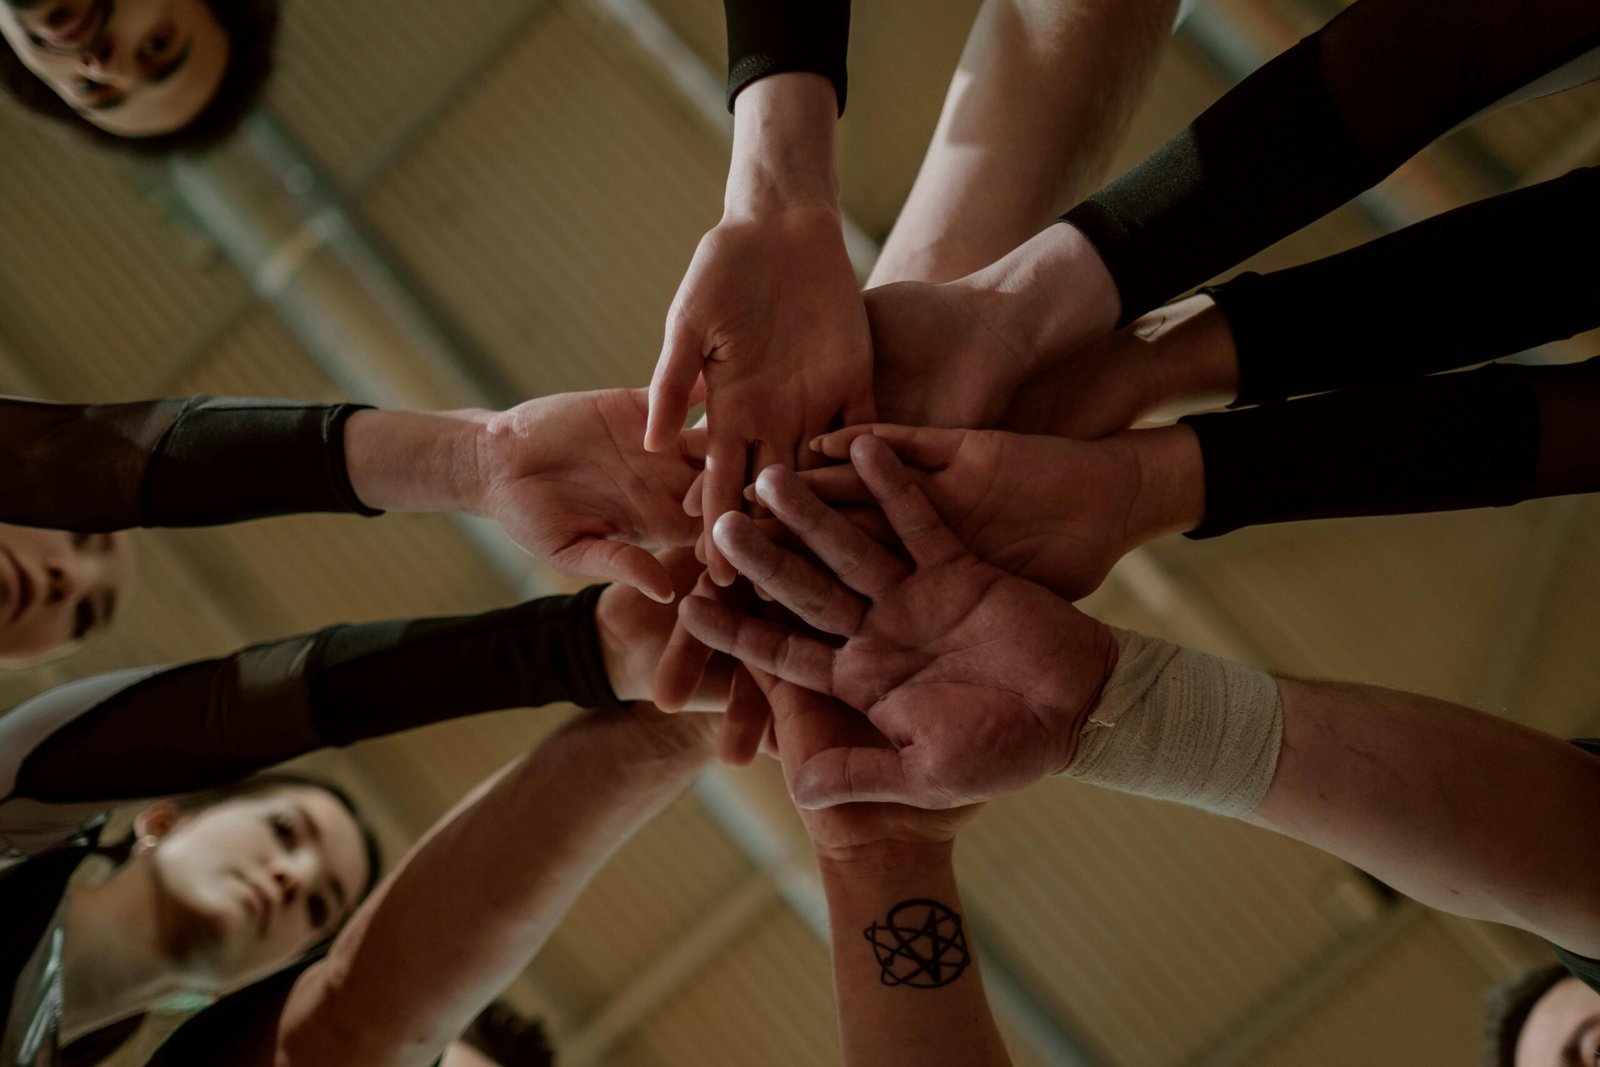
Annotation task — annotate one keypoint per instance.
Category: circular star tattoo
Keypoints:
(921, 944)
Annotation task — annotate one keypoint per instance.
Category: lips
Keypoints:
(21, 585)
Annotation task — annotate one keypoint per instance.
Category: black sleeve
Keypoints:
(196, 462)
(1583, 968)
(774, 36)
(1483, 281)
(1466, 440)
(1317, 125)
(204, 724)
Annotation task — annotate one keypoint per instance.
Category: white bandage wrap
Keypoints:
(1180, 725)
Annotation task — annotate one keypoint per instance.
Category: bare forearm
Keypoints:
(1463, 811)
(1035, 110)
(484, 889)
(905, 970)
(414, 460)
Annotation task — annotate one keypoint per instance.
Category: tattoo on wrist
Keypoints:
(921, 944)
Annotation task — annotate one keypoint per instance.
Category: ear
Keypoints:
(156, 821)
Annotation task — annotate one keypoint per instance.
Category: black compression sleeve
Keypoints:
(205, 724)
(773, 36)
(1483, 281)
(1436, 444)
(1313, 128)
(195, 462)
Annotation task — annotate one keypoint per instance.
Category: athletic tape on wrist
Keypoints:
(1176, 724)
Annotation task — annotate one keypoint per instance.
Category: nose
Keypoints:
(106, 63)
(287, 881)
(63, 579)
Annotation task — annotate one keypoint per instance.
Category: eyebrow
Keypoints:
(316, 835)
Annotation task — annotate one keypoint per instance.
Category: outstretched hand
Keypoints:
(1056, 511)
(769, 315)
(982, 681)
(568, 478)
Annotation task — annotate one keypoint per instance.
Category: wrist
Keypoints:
(1051, 295)
(415, 460)
(1189, 361)
(784, 150)
(884, 862)
(620, 651)
(1172, 486)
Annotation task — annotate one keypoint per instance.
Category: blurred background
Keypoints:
(471, 203)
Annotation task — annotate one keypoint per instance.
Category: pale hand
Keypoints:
(981, 681)
(770, 316)
(568, 478)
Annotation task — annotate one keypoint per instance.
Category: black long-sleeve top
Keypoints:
(773, 36)
(1317, 125)
(1485, 438)
(199, 461)
(70, 754)
(1477, 283)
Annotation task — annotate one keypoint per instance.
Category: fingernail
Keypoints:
(750, 493)
(658, 598)
(816, 444)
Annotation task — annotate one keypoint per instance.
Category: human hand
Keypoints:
(1055, 511)
(634, 631)
(808, 724)
(1177, 359)
(568, 478)
(769, 315)
(981, 680)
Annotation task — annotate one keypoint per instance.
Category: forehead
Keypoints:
(151, 110)
(1555, 1015)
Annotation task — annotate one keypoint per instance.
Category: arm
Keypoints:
(1314, 127)
(1465, 812)
(537, 833)
(566, 476)
(769, 315)
(1038, 104)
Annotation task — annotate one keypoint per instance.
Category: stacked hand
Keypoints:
(981, 681)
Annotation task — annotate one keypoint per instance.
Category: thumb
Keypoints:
(616, 561)
(921, 446)
(847, 775)
(675, 384)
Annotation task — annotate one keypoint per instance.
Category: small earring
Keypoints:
(148, 842)
(185, 1003)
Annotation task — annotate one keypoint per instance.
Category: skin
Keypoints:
(1563, 1030)
(135, 68)
(57, 587)
(210, 901)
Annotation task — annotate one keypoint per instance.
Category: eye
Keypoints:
(284, 830)
(156, 45)
(78, 540)
(317, 909)
(85, 617)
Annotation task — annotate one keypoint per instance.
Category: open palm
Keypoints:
(980, 680)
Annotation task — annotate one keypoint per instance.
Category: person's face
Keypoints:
(58, 587)
(135, 68)
(250, 884)
(1563, 1030)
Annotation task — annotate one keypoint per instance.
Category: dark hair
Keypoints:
(1510, 1004)
(508, 1038)
(98, 1045)
(251, 27)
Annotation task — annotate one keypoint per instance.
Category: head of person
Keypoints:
(1545, 1018)
(58, 588)
(249, 879)
(154, 76)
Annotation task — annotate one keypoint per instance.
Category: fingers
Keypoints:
(615, 561)
(726, 460)
(792, 657)
(692, 444)
(683, 660)
(693, 502)
(673, 386)
(744, 721)
(860, 562)
(919, 527)
(921, 446)
(846, 775)
(784, 576)
(836, 485)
